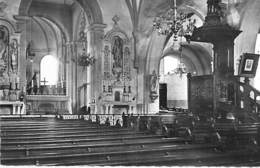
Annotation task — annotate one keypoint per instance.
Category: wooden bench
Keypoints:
(79, 142)
(238, 135)
(68, 159)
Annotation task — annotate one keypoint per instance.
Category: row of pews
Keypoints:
(54, 141)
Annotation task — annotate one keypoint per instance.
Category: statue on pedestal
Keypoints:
(3, 46)
(154, 82)
(14, 54)
(153, 86)
(117, 52)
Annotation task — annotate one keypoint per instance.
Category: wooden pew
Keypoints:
(238, 135)
(69, 159)
(66, 143)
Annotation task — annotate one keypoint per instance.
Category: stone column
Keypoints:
(69, 75)
(96, 46)
(106, 109)
(22, 62)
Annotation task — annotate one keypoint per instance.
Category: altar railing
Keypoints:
(46, 90)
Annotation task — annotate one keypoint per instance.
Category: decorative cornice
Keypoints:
(116, 31)
(21, 17)
(43, 50)
(97, 27)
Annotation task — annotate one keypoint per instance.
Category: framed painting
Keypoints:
(248, 65)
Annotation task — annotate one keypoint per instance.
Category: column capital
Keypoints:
(21, 17)
(97, 27)
(72, 43)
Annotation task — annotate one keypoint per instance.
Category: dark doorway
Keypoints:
(163, 95)
(117, 96)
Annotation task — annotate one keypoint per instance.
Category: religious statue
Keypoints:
(117, 52)
(106, 51)
(3, 46)
(35, 79)
(14, 54)
(126, 62)
(154, 82)
(153, 86)
(106, 62)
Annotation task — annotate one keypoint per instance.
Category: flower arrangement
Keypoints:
(85, 59)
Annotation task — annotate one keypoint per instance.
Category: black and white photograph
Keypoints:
(249, 65)
(123, 83)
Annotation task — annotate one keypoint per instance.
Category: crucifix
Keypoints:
(44, 89)
(44, 82)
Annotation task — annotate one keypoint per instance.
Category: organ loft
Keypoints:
(129, 82)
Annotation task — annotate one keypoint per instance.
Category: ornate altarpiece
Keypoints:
(118, 82)
(10, 84)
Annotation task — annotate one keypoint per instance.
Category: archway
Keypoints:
(45, 40)
(173, 85)
(195, 58)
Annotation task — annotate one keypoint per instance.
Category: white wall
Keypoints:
(177, 95)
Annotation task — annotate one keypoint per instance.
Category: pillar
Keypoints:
(96, 46)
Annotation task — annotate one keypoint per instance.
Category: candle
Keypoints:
(13, 85)
(17, 79)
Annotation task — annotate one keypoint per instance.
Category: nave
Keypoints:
(141, 140)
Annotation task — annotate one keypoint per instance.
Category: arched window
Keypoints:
(49, 70)
(257, 51)
(169, 64)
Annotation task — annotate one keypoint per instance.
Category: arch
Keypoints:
(116, 31)
(43, 30)
(11, 28)
(92, 9)
(61, 27)
(156, 50)
(24, 7)
(58, 33)
(52, 28)
(196, 54)
(196, 11)
(78, 24)
(190, 66)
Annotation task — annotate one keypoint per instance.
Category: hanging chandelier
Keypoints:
(173, 24)
(181, 68)
(177, 26)
(85, 59)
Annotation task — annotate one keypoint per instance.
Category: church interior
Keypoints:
(130, 82)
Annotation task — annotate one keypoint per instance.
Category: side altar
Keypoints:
(11, 94)
(118, 77)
